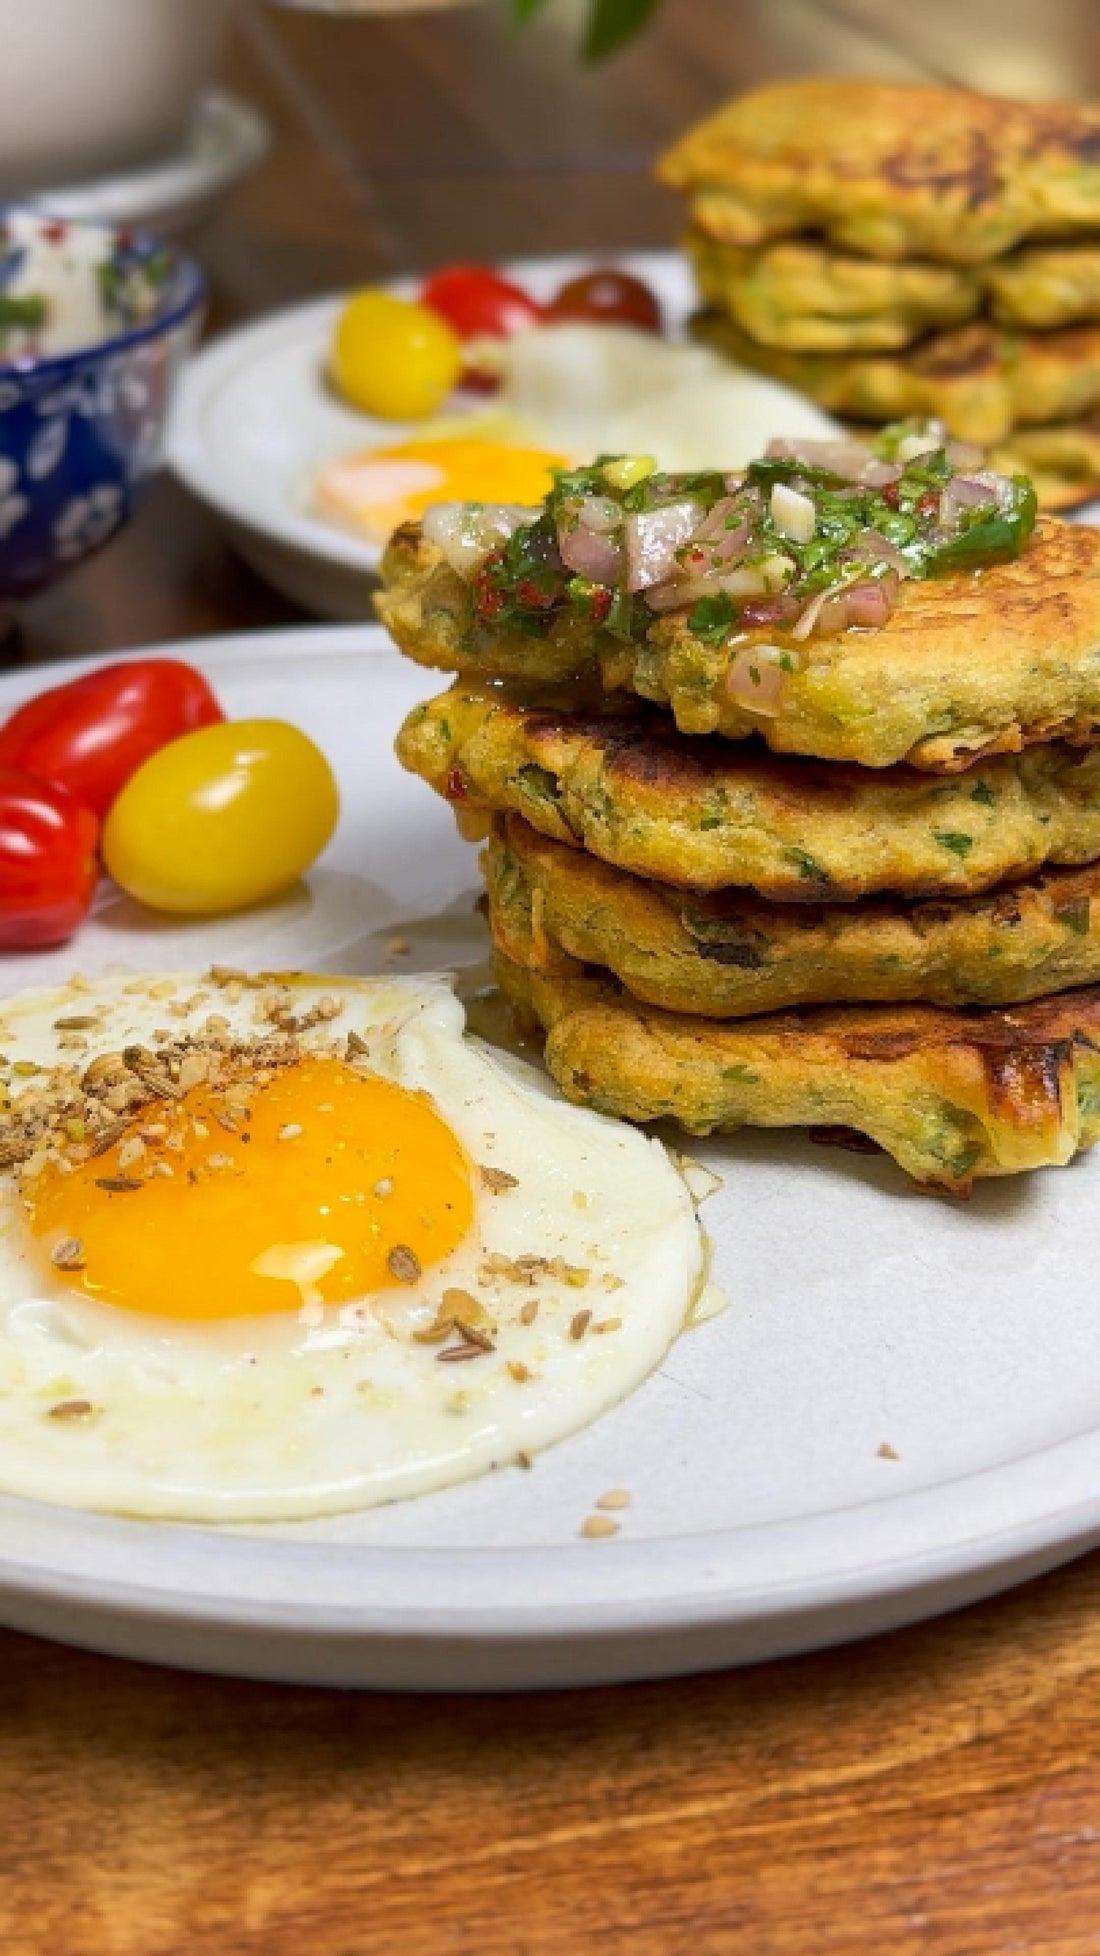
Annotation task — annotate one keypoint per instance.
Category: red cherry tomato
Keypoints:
(91, 735)
(479, 304)
(48, 861)
(607, 298)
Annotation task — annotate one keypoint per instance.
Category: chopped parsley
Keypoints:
(960, 845)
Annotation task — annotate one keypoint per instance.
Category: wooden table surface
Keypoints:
(934, 1791)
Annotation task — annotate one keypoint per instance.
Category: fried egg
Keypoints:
(569, 392)
(379, 488)
(272, 1249)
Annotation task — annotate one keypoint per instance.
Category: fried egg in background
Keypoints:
(568, 392)
(441, 1264)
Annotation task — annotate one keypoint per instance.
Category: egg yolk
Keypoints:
(383, 487)
(331, 1183)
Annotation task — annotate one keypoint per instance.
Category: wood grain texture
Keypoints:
(934, 1793)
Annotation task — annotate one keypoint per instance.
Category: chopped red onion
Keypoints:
(965, 492)
(877, 475)
(871, 602)
(652, 537)
(846, 459)
(585, 542)
(467, 533)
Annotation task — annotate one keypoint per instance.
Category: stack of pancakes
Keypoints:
(823, 931)
(896, 250)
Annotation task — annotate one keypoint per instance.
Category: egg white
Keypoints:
(277, 1418)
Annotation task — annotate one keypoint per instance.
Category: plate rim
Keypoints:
(1044, 1503)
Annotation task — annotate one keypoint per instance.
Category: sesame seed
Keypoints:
(518, 1370)
(130, 1152)
(529, 1311)
(608, 1324)
(71, 1409)
(69, 1254)
(887, 1452)
(596, 1527)
(384, 1187)
(455, 1354)
(218, 1162)
(291, 1131)
(117, 1184)
(579, 1324)
(616, 1497)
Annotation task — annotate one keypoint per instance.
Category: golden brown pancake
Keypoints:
(976, 663)
(891, 169)
(803, 294)
(953, 1096)
(982, 380)
(1063, 461)
(730, 955)
(704, 814)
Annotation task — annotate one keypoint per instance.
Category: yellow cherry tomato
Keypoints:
(393, 358)
(222, 818)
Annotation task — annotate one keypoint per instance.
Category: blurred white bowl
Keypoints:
(91, 86)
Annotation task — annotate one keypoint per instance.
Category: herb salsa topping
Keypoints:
(812, 538)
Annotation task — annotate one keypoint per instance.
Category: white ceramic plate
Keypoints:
(255, 419)
(764, 1519)
(178, 193)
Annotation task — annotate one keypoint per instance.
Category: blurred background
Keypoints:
(319, 145)
(395, 135)
(374, 136)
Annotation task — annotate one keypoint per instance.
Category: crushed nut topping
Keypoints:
(69, 1254)
(616, 1497)
(497, 1180)
(403, 1264)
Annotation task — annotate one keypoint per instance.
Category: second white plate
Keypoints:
(255, 419)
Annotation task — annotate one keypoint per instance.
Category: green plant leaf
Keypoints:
(613, 23)
(525, 10)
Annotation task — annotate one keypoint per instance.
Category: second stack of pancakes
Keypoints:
(893, 249)
(730, 936)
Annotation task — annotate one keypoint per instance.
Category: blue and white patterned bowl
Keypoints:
(95, 323)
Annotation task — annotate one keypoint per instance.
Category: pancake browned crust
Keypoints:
(981, 380)
(891, 169)
(702, 814)
(804, 294)
(981, 662)
(730, 955)
(954, 1097)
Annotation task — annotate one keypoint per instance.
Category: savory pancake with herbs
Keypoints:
(803, 294)
(953, 1096)
(619, 782)
(875, 606)
(1063, 461)
(891, 169)
(730, 955)
(982, 380)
